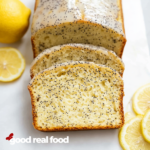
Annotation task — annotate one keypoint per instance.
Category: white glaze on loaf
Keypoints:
(98, 22)
(76, 52)
(55, 12)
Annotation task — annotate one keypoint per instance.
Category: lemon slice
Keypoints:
(146, 126)
(130, 136)
(129, 116)
(12, 64)
(141, 100)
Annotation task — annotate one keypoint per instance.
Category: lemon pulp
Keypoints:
(12, 64)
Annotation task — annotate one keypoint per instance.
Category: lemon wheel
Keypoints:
(145, 125)
(141, 100)
(129, 116)
(130, 136)
(12, 64)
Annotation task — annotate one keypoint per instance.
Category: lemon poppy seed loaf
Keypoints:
(77, 96)
(76, 52)
(98, 22)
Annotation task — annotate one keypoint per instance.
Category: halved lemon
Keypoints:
(146, 126)
(130, 136)
(141, 100)
(12, 64)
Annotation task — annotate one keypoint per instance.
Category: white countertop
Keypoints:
(15, 103)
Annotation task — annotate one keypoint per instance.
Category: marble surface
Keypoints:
(15, 103)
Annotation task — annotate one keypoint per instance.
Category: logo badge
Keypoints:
(10, 137)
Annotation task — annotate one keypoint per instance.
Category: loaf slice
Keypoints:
(77, 96)
(76, 52)
(98, 22)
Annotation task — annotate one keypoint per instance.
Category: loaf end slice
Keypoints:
(76, 52)
(77, 96)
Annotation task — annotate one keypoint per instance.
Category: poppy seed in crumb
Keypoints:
(76, 52)
(72, 108)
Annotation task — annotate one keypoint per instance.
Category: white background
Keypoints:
(15, 103)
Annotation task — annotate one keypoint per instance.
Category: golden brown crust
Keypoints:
(124, 41)
(122, 17)
(36, 4)
(31, 75)
(33, 106)
(77, 127)
(33, 47)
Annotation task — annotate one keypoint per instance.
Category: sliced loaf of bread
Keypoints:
(76, 52)
(77, 96)
(97, 22)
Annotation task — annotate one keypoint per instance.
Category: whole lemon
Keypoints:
(14, 20)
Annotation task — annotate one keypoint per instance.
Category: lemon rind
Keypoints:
(122, 133)
(21, 69)
(134, 99)
(143, 126)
